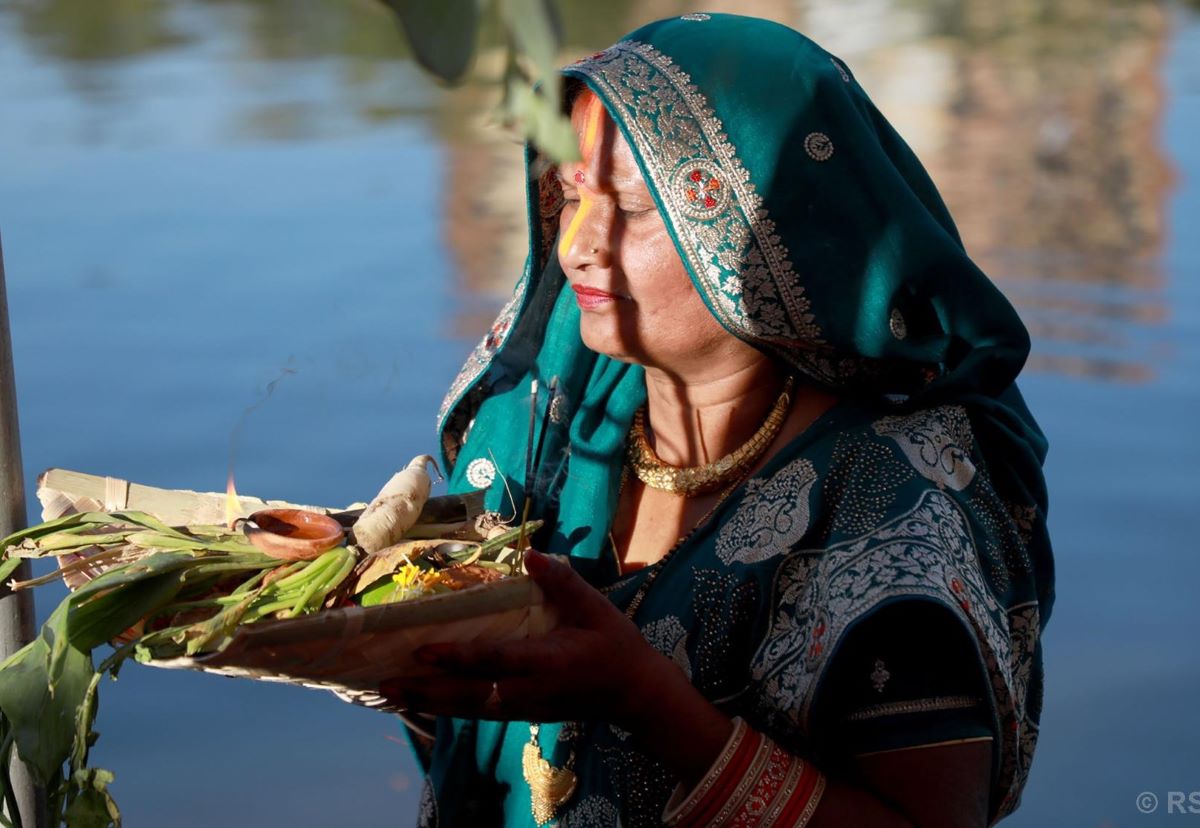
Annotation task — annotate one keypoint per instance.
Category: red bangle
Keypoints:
(753, 782)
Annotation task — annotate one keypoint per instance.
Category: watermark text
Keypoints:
(1170, 802)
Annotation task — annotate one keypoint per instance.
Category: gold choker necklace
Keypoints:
(694, 480)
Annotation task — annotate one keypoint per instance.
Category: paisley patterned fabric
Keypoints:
(813, 233)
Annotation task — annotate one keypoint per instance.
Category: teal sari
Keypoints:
(884, 580)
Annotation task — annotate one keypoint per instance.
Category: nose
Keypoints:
(587, 239)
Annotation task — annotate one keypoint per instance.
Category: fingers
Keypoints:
(471, 698)
(565, 588)
(439, 696)
(493, 660)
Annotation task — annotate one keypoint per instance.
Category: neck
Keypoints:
(699, 419)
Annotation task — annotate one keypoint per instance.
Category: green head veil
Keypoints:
(806, 223)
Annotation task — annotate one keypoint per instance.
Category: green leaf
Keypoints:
(64, 541)
(52, 526)
(106, 615)
(40, 698)
(140, 569)
(148, 521)
(157, 540)
(542, 121)
(535, 29)
(7, 567)
(441, 33)
(84, 717)
(382, 591)
(89, 804)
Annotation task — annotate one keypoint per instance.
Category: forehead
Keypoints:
(605, 154)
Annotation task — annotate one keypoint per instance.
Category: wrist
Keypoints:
(673, 720)
(650, 688)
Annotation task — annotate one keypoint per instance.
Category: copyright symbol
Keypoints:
(1147, 802)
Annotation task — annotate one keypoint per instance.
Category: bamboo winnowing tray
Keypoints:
(348, 649)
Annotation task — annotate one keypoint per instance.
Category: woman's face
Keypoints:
(638, 303)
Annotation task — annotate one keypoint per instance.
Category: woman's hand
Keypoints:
(595, 665)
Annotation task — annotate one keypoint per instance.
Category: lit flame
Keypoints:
(233, 508)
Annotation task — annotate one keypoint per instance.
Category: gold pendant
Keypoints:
(549, 787)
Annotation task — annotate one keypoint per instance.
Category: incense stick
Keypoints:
(533, 455)
(533, 395)
(551, 389)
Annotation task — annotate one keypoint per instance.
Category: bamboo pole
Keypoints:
(16, 611)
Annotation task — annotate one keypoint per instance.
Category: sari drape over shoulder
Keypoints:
(884, 580)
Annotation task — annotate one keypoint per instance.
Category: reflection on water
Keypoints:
(161, 160)
(1039, 121)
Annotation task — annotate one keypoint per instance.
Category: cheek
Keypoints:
(658, 280)
(671, 316)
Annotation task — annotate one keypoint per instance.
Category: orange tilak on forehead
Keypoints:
(591, 131)
(595, 111)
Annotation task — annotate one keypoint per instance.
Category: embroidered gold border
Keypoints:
(814, 800)
(946, 743)
(691, 114)
(929, 705)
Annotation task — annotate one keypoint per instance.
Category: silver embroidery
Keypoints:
(772, 517)
(619, 733)
(818, 146)
(937, 442)
(481, 472)
(481, 357)
(697, 17)
(841, 69)
(427, 812)
(592, 812)
(668, 636)
(897, 324)
(819, 595)
(880, 675)
(464, 397)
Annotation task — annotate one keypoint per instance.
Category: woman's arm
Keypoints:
(929, 787)
(598, 666)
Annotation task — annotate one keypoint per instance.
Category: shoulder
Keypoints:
(862, 466)
(910, 552)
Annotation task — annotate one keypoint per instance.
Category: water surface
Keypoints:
(198, 198)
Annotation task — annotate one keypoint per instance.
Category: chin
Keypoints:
(601, 336)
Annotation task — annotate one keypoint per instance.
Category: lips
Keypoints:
(590, 298)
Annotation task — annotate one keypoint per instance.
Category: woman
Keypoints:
(801, 496)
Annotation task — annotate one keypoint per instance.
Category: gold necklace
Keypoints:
(693, 480)
(549, 787)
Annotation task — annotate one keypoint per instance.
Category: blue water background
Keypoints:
(183, 228)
